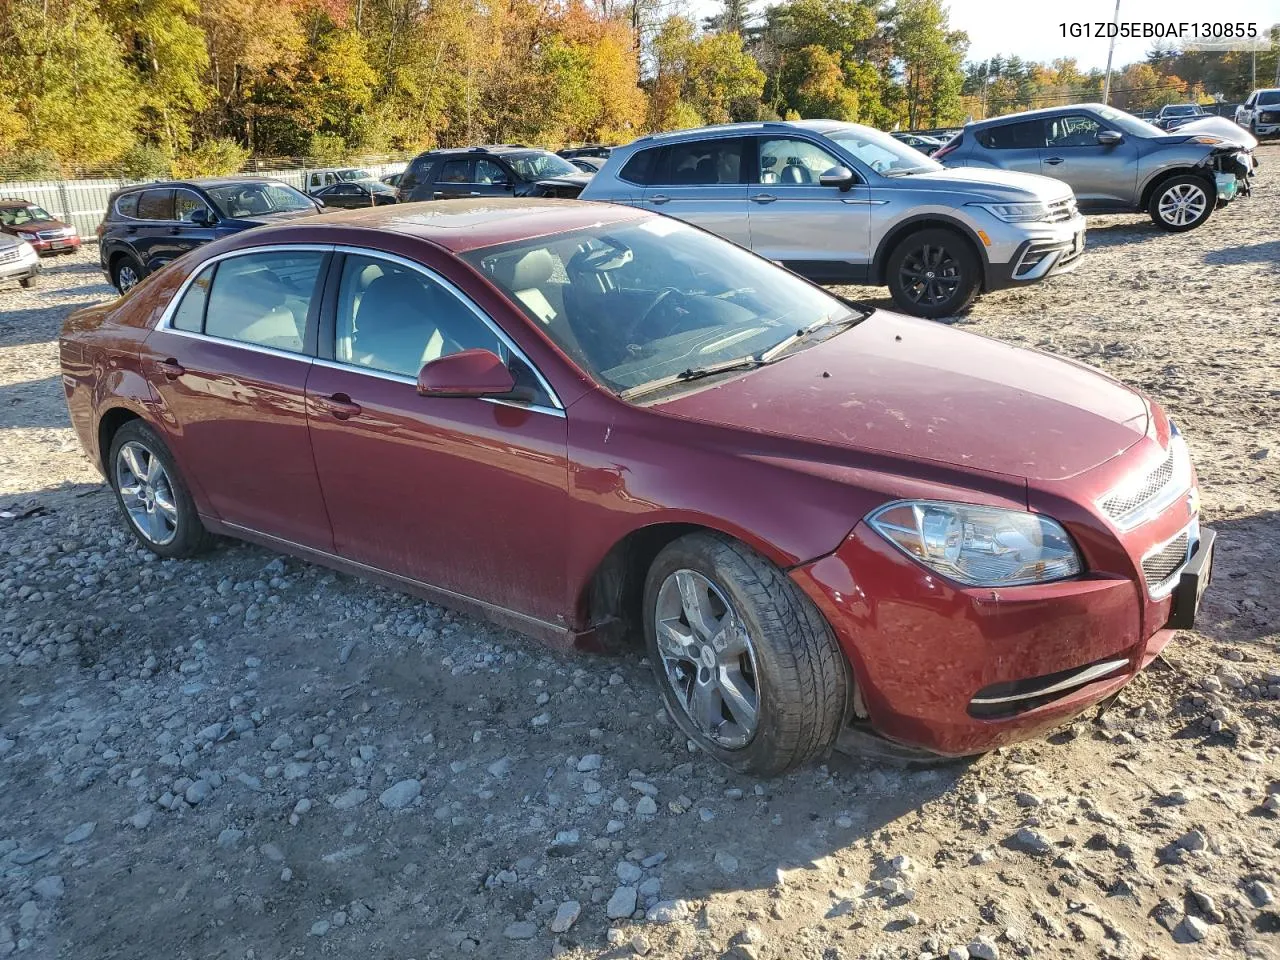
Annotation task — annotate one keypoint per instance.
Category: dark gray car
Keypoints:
(1112, 160)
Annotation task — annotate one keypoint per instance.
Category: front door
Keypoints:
(822, 232)
(1102, 175)
(467, 495)
(454, 181)
(704, 182)
(230, 366)
(185, 233)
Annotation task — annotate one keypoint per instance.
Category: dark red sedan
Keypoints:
(586, 422)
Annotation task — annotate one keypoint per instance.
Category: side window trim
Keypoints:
(310, 335)
(330, 324)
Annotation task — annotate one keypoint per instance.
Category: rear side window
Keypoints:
(263, 298)
(190, 313)
(641, 168)
(155, 205)
(456, 171)
(127, 205)
(1013, 136)
(705, 162)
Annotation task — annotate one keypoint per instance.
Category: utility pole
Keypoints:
(1111, 49)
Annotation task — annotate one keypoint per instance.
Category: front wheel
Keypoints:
(746, 665)
(933, 273)
(1181, 203)
(29, 283)
(125, 274)
(152, 494)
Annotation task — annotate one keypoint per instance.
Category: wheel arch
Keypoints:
(109, 424)
(926, 221)
(1153, 184)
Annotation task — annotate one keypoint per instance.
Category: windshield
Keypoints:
(1128, 123)
(640, 301)
(354, 174)
(17, 216)
(1182, 110)
(881, 152)
(255, 199)
(538, 165)
(1271, 97)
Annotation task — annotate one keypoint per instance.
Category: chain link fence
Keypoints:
(82, 202)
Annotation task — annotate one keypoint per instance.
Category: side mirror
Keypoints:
(201, 218)
(320, 204)
(841, 177)
(1109, 138)
(468, 373)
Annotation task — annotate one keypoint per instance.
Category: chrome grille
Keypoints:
(1118, 506)
(7, 255)
(1160, 566)
(1061, 211)
(57, 234)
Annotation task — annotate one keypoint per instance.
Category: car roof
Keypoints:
(201, 183)
(1032, 114)
(498, 149)
(462, 225)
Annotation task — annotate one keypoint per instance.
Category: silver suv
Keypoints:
(1113, 161)
(841, 203)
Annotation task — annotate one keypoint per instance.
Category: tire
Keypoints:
(783, 656)
(174, 532)
(29, 283)
(1181, 203)
(933, 273)
(126, 271)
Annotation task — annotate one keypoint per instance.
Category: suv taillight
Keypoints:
(948, 147)
(102, 226)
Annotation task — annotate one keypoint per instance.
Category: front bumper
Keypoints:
(68, 244)
(1032, 252)
(960, 670)
(20, 270)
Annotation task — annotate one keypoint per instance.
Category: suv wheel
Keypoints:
(126, 273)
(933, 273)
(747, 666)
(1181, 203)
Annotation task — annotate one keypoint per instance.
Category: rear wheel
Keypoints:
(933, 273)
(126, 273)
(746, 665)
(152, 494)
(1181, 203)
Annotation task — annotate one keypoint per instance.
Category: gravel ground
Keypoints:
(248, 756)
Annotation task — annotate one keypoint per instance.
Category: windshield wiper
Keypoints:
(848, 320)
(693, 373)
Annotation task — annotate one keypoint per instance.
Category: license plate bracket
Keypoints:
(1193, 581)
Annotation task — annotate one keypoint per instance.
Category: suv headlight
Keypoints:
(979, 546)
(1015, 212)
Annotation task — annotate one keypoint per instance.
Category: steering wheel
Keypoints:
(669, 294)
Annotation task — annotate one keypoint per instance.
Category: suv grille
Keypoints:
(57, 234)
(1061, 211)
(1117, 507)
(1160, 566)
(7, 255)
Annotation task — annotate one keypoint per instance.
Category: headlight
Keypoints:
(1015, 212)
(1206, 139)
(979, 546)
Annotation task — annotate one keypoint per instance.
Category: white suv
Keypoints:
(1260, 114)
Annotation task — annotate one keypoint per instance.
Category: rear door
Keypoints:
(1012, 146)
(704, 182)
(229, 364)
(151, 232)
(453, 181)
(1101, 175)
(822, 232)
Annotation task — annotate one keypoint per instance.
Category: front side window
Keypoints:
(489, 172)
(155, 205)
(1076, 130)
(704, 162)
(186, 205)
(395, 319)
(1027, 135)
(640, 301)
(263, 298)
(790, 162)
(456, 171)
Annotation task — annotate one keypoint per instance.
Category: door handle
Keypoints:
(660, 199)
(175, 230)
(131, 230)
(340, 405)
(171, 368)
(763, 198)
(1053, 161)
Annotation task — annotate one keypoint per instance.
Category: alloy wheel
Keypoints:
(126, 277)
(147, 493)
(930, 275)
(708, 658)
(1182, 204)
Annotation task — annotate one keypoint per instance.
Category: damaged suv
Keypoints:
(1113, 161)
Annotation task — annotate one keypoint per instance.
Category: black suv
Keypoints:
(149, 224)
(503, 170)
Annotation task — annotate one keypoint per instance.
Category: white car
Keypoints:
(1260, 114)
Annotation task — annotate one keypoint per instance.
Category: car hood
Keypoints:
(913, 388)
(996, 186)
(578, 180)
(1217, 127)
